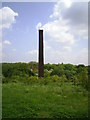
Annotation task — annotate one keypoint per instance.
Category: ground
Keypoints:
(39, 100)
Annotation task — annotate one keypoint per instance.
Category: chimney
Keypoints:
(41, 60)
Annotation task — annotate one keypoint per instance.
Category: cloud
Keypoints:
(32, 52)
(47, 46)
(81, 57)
(31, 55)
(38, 26)
(75, 16)
(7, 17)
(67, 48)
(7, 42)
(68, 25)
(66, 28)
(57, 31)
(67, 57)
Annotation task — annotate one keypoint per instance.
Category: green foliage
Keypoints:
(44, 101)
(13, 69)
(24, 72)
(55, 78)
(48, 66)
(58, 70)
(46, 73)
(62, 92)
(30, 80)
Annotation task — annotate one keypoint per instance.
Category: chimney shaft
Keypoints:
(41, 61)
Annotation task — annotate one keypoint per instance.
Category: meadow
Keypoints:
(57, 95)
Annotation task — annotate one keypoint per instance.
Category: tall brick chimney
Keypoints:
(41, 60)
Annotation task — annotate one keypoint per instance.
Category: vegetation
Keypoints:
(68, 72)
(62, 93)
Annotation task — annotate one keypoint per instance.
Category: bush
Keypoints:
(58, 70)
(55, 78)
(63, 78)
(32, 79)
(46, 73)
(4, 80)
(28, 73)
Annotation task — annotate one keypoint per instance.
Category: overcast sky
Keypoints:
(65, 26)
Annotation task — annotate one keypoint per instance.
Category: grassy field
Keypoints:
(44, 101)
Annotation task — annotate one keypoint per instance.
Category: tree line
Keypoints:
(78, 74)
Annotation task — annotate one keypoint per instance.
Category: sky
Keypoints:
(65, 26)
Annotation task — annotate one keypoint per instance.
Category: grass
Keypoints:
(44, 101)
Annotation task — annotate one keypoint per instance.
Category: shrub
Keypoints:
(55, 78)
(5, 80)
(46, 73)
(58, 70)
(32, 79)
